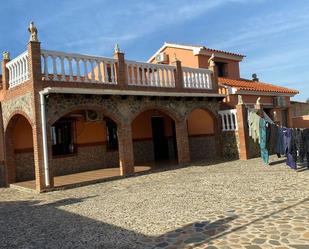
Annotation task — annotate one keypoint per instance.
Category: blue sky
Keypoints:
(273, 34)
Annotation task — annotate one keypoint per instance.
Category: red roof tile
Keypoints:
(249, 85)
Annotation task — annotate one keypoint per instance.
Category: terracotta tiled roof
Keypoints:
(249, 85)
(203, 47)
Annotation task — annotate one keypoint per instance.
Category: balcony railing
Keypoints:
(69, 67)
(18, 70)
(147, 74)
(59, 66)
(229, 120)
(197, 78)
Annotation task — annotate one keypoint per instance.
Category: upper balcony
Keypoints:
(70, 70)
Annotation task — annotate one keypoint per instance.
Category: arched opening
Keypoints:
(83, 140)
(154, 138)
(19, 150)
(201, 131)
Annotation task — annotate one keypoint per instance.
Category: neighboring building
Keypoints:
(299, 108)
(274, 99)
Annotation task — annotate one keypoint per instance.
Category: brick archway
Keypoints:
(203, 137)
(19, 155)
(154, 135)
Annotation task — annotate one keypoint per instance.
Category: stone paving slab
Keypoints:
(237, 204)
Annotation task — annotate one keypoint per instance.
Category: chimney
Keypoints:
(255, 78)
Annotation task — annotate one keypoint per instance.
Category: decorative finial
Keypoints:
(175, 57)
(240, 101)
(33, 32)
(117, 48)
(258, 101)
(254, 77)
(211, 61)
(6, 55)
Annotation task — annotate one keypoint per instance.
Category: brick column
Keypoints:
(3, 178)
(5, 71)
(242, 132)
(214, 77)
(120, 69)
(125, 145)
(182, 140)
(178, 75)
(35, 76)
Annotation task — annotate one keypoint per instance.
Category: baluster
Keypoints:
(99, 71)
(86, 78)
(92, 70)
(113, 72)
(78, 70)
(162, 76)
(208, 80)
(27, 70)
(70, 68)
(235, 118)
(228, 122)
(148, 82)
(45, 66)
(10, 74)
(54, 68)
(22, 69)
(105, 72)
(15, 74)
(62, 68)
(167, 77)
(143, 75)
(133, 74)
(137, 75)
(222, 121)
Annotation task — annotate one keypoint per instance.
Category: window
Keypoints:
(63, 138)
(112, 139)
(221, 69)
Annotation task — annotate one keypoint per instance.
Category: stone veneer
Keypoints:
(143, 151)
(24, 162)
(230, 144)
(88, 157)
(202, 147)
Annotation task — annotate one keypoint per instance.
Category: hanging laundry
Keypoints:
(280, 142)
(306, 143)
(287, 148)
(272, 138)
(254, 122)
(263, 126)
(300, 144)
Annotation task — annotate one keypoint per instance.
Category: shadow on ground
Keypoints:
(31, 224)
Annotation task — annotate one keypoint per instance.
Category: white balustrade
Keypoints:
(18, 70)
(229, 120)
(147, 74)
(198, 78)
(59, 66)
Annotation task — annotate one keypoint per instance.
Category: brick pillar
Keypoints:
(120, 69)
(182, 140)
(5, 72)
(125, 144)
(214, 78)
(242, 132)
(178, 75)
(35, 76)
(3, 178)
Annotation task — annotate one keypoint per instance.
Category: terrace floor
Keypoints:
(237, 204)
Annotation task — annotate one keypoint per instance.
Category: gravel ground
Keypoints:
(237, 204)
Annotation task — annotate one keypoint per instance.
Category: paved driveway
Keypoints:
(223, 205)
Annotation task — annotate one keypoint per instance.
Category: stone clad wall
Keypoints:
(202, 147)
(24, 162)
(230, 144)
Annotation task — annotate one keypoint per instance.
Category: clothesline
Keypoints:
(293, 143)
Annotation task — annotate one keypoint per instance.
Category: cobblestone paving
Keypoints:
(225, 205)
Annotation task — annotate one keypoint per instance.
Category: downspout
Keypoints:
(44, 136)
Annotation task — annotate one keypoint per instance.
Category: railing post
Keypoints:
(214, 77)
(34, 61)
(242, 131)
(178, 74)
(5, 71)
(120, 67)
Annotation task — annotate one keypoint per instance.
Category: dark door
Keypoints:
(160, 144)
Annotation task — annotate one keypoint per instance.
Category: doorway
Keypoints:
(160, 142)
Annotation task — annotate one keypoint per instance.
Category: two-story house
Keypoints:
(64, 113)
(274, 99)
